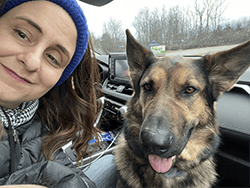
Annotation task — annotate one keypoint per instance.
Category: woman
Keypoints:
(47, 76)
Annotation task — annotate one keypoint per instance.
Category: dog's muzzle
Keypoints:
(155, 135)
(160, 144)
(157, 140)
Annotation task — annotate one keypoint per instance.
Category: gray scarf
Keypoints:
(19, 115)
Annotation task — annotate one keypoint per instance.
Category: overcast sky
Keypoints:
(126, 10)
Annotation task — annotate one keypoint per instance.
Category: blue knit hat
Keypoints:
(76, 13)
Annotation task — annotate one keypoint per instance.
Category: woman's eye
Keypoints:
(53, 59)
(21, 34)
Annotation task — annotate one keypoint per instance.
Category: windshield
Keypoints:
(176, 27)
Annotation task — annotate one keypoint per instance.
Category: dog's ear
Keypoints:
(225, 68)
(138, 57)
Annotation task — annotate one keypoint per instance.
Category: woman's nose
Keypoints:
(31, 58)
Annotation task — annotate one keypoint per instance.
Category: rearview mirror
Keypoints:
(97, 2)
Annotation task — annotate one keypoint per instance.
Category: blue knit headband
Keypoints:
(76, 13)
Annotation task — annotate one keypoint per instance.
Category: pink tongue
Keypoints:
(160, 164)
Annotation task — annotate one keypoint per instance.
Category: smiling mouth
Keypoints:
(15, 76)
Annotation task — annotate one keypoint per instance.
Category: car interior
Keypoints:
(233, 109)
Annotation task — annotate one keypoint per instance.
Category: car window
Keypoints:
(180, 27)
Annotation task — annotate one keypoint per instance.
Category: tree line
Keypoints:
(201, 25)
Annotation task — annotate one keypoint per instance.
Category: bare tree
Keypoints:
(164, 25)
(200, 10)
(113, 35)
(142, 23)
(151, 25)
(216, 15)
(114, 29)
(190, 27)
(245, 22)
(176, 25)
(209, 14)
(156, 27)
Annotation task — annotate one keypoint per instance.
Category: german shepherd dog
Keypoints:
(171, 133)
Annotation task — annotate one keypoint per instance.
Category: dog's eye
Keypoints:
(190, 90)
(147, 87)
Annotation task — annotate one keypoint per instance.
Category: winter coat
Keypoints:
(32, 166)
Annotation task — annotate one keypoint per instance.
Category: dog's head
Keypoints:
(176, 98)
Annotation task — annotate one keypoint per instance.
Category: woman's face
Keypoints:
(37, 42)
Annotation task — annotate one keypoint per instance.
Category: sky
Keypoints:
(126, 10)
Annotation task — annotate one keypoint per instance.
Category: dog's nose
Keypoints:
(157, 141)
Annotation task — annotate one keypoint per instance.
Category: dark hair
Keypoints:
(70, 109)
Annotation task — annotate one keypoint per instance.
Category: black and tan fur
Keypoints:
(172, 113)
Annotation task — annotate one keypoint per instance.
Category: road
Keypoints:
(200, 51)
(209, 50)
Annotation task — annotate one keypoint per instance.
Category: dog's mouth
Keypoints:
(161, 165)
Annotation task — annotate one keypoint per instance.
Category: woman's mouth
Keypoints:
(15, 76)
